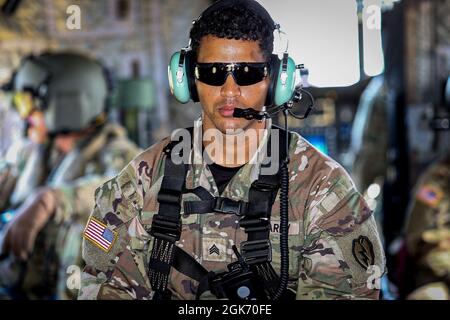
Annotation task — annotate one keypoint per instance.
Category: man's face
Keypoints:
(37, 130)
(218, 102)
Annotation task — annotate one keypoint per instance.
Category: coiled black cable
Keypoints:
(284, 218)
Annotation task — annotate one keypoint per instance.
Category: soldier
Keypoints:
(369, 140)
(428, 233)
(54, 190)
(12, 165)
(427, 228)
(165, 229)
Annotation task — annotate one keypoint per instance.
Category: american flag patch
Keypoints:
(430, 195)
(99, 234)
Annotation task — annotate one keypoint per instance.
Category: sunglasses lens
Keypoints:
(245, 74)
(211, 74)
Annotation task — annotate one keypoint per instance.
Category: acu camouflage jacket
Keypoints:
(335, 250)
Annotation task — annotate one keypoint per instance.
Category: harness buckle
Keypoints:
(264, 187)
(169, 196)
(228, 206)
(166, 228)
(256, 251)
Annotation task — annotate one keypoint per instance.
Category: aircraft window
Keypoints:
(329, 47)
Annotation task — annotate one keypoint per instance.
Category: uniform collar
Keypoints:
(200, 175)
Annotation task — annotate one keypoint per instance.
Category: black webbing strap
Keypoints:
(166, 225)
(262, 195)
(257, 250)
(218, 205)
(187, 265)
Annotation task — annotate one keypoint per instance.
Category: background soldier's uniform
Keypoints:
(327, 217)
(58, 246)
(370, 142)
(11, 167)
(428, 232)
(369, 135)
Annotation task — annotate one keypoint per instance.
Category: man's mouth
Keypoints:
(227, 111)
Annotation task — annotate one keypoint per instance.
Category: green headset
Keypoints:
(281, 71)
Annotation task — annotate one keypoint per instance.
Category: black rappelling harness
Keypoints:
(252, 275)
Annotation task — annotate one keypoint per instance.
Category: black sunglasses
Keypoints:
(244, 73)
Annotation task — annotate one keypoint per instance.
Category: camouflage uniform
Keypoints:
(12, 166)
(369, 135)
(58, 246)
(428, 232)
(326, 216)
(369, 144)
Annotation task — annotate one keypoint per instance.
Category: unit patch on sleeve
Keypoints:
(362, 250)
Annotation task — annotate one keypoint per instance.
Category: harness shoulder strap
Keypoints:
(257, 250)
(166, 225)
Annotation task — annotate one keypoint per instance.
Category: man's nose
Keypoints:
(230, 88)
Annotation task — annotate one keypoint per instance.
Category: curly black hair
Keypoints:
(234, 22)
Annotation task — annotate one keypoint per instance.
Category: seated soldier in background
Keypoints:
(53, 193)
(12, 164)
(13, 127)
(428, 233)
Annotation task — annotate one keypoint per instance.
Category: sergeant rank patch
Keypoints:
(214, 248)
(99, 234)
(362, 250)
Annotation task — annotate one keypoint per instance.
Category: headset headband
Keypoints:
(251, 4)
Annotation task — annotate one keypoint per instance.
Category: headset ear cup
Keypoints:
(274, 71)
(285, 85)
(190, 66)
(178, 83)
